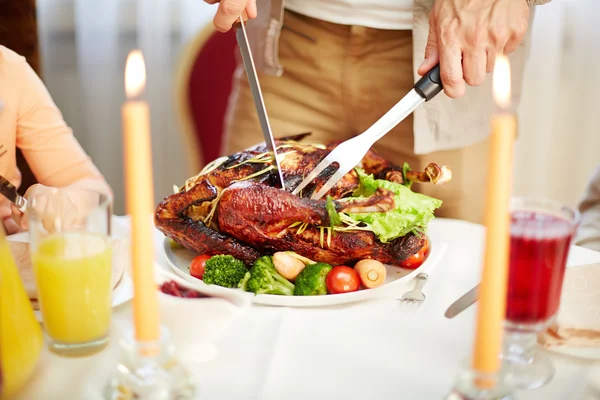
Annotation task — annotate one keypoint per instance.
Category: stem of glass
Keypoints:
(519, 346)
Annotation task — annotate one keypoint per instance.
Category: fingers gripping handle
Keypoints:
(242, 18)
(430, 84)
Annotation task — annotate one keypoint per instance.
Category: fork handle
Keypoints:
(430, 84)
(421, 280)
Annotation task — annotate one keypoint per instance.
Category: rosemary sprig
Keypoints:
(254, 175)
(302, 228)
(208, 220)
(258, 159)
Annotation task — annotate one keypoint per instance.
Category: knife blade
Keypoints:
(248, 61)
(9, 191)
(463, 302)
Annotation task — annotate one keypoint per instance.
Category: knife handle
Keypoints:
(430, 84)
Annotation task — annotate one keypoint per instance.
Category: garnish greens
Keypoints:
(412, 211)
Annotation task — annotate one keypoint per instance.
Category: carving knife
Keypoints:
(242, 39)
(9, 191)
(464, 302)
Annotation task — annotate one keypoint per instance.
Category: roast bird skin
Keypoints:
(235, 207)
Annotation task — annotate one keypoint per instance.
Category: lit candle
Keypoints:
(492, 305)
(140, 199)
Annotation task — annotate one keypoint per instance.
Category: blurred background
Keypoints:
(83, 45)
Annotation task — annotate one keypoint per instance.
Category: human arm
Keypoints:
(588, 234)
(230, 10)
(47, 143)
(466, 35)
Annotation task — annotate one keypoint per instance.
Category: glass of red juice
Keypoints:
(541, 233)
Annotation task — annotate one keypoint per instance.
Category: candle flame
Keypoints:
(502, 89)
(135, 74)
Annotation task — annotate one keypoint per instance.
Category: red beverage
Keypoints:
(539, 247)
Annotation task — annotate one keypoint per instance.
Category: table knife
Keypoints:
(243, 43)
(464, 302)
(9, 191)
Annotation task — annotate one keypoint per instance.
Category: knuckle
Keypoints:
(519, 30)
(498, 38)
(477, 40)
(448, 31)
(450, 78)
(230, 8)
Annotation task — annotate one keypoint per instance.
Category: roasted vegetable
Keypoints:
(372, 273)
(224, 270)
(311, 281)
(263, 278)
(287, 265)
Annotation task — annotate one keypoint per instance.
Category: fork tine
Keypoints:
(335, 178)
(312, 175)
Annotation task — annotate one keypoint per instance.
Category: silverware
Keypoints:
(351, 152)
(242, 39)
(9, 191)
(463, 302)
(415, 296)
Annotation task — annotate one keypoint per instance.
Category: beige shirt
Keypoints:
(31, 122)
(589, 230)
(442, 123)
(379, 14)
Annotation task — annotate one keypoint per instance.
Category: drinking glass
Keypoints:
(21, 339)
(72, 260)
(541, 233)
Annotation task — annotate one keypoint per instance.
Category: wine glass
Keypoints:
(541, 233)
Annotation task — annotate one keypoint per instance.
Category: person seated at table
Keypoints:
(31, 122)
(588, 234)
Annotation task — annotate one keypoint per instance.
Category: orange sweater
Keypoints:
(30, 121)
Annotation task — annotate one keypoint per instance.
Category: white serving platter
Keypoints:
(179, 259)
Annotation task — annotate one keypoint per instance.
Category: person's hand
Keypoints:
(466, 35)
(53, 207)
(230, 10)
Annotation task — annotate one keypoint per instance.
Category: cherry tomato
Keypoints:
(417, 259)
(342, 279)
(197, 266)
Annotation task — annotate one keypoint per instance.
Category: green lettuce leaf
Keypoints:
(412, 213)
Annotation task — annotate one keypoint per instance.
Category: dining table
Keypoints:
(372, 349)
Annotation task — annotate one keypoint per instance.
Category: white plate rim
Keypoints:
(438, 248)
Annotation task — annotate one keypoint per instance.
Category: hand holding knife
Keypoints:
(9, 191)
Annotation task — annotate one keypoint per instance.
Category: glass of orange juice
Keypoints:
(72, 260)
(21, 339)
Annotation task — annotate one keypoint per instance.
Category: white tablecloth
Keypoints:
(361, 351)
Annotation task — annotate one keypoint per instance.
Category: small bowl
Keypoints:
(196, 324)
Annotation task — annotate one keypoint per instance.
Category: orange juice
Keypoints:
(21, 337)
(73, 276)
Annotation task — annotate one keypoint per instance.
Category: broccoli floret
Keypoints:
(244, 282)
(264, 279)
(224, 270)
(311, 280)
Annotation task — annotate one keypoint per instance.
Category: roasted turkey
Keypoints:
(235, 207)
